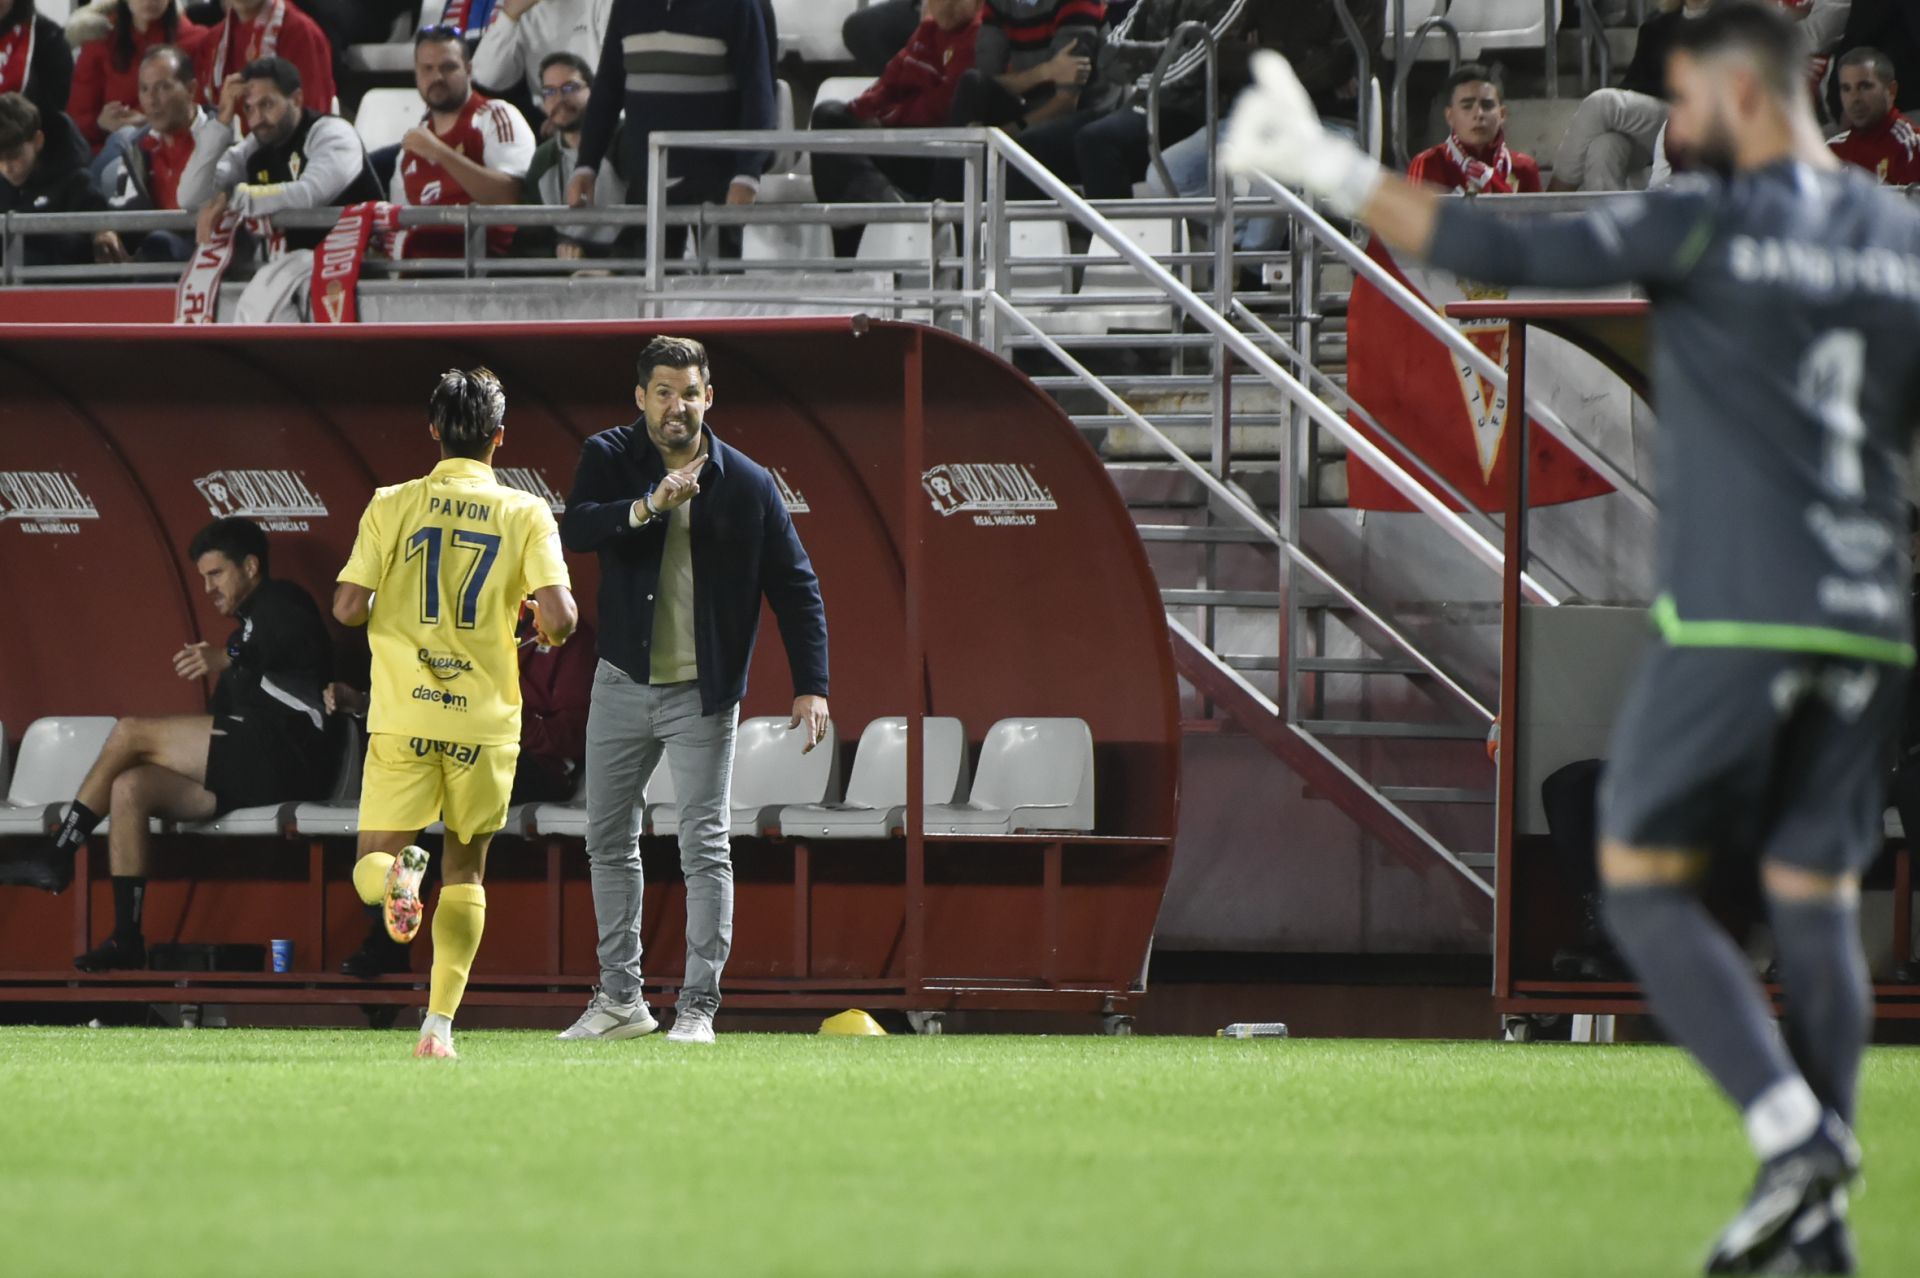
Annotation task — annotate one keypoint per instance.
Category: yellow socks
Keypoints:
(370, 876)
(458, 920)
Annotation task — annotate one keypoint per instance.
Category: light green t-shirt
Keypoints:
(674, 657)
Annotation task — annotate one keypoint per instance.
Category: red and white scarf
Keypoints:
(1483, 176)
(197, 299)
(16, 55)
(334, 294)
(265, 43)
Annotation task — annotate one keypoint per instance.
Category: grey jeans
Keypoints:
(629, 726)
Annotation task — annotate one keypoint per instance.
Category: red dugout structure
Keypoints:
(975, 561)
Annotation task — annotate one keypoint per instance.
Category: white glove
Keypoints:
(1275, 130)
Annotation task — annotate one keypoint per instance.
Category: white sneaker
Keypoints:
(691, 1026)
(605, 1018)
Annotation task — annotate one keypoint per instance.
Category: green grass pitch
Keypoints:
(279, 1153)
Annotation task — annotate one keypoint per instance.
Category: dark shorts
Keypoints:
(1782, 755)
(251, 764)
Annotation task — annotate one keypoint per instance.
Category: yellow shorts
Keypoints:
(409, 783)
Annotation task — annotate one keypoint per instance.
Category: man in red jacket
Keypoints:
(259, 29)
(556, 689)
(914, 92)
(1475, 158)
(1878, 138)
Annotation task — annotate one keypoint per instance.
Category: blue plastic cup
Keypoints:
(282, 955)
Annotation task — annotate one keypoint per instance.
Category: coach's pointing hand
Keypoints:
(198, 660)
(677, 487)
(811, 711)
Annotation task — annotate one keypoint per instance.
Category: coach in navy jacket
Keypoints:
(690, 533)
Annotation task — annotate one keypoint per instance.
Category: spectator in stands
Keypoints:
(34, 57)
(467, 149)
(266, 740)
(43, 169)
(1475, 158)
(566, 86)
(1103, 146)
(1032, 60)
(697, 64)
(1613, 131)
(915, 91)
(1891, 26)
(142, 167)
(255, 29)
(525, 33)
(1309, 34)
(1878, 138)
(293, 156)
(556, 687)
(877, 31)
(106, 79)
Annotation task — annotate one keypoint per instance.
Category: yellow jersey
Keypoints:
(449, 557)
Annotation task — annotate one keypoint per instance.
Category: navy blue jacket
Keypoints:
(744, 545)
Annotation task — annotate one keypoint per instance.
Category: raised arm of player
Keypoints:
(1648, 239)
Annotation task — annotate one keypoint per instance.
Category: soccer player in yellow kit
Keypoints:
(449, 558)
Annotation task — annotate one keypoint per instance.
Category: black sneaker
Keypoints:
(378, 955)
(1819, 1242)
(1787, 1190)
(115, 954)
(48, 869)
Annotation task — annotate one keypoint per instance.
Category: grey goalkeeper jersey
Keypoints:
(1786, 341)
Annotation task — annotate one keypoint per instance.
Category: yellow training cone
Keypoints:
(854, 1022)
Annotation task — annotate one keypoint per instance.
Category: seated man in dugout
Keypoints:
(265, 740)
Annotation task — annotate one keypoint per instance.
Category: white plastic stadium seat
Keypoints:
(904, 243)
(877, 794)
(810, 29)
(55, 754)
(1035, 774)
(1482, 24)
(1107, 274)
(1038, 239)
(385, 115)
(278, 818)
(762, 243)
(769, 772)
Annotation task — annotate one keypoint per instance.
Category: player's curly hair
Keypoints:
(469, 407)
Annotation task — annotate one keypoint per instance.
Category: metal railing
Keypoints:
(1203, 34)
(1362, 70)
(1594, 48)
(1405, 50)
